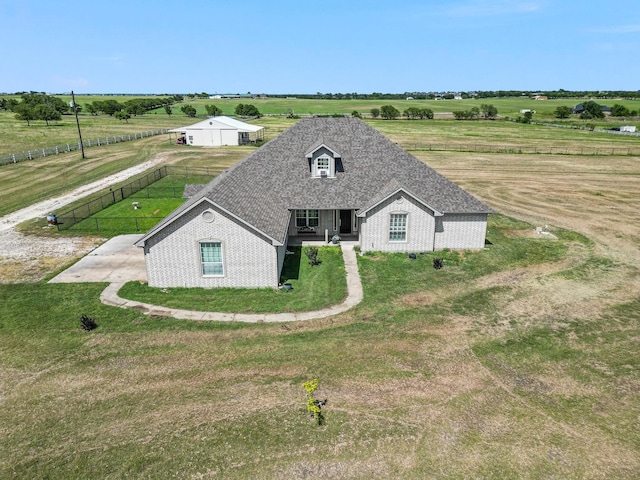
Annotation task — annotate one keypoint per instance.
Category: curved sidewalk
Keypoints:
(109, 296)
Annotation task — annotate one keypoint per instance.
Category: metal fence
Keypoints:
(69, 147)
(120, 225)
(139, 188)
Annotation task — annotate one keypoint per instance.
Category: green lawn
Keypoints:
(314, 288)
(424, 379)
(142, 210)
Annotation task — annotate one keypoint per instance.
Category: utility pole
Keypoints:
(75, 111)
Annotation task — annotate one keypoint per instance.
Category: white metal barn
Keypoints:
(219, 131)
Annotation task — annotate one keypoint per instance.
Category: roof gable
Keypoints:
(321, 146)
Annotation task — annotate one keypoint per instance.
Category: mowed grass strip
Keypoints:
(313, 288)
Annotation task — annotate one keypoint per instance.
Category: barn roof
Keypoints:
(222, 122)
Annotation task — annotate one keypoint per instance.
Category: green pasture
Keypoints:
(19, 137)
(424, 379)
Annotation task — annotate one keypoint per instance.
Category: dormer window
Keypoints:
(323, 166)
(323, 161)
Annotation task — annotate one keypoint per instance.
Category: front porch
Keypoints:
(319, 240)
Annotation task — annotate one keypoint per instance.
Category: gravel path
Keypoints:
(19, 253)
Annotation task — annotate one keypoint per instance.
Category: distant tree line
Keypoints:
(135, 106)
(36, 106)
(449, 95)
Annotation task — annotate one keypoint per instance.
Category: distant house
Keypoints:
(320, 178)
(540, 97)
(579, 108)
(628, 128)
(219, 131)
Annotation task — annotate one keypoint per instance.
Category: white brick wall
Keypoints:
(173, 255)
(461, 231)
(374, 233)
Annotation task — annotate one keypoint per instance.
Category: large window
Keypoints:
(211, 258)
(398, 227)
(307, 218)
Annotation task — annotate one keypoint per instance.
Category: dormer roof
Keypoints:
(320, 145)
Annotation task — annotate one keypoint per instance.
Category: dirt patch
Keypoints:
(28, 258)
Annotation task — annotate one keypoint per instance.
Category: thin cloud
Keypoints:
(487, 8)
(616, 30)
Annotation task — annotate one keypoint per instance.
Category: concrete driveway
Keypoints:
(115, 261)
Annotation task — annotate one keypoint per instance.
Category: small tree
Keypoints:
(489, 112)
(426, 113)
(375, 112)
(591, 110)
(212, 110)
(25, 112)
(412, 113)
(123, 115)
(168, 109)
(47, 113)
(620, 111)
(188, 110)
(314, 407)
(389, 112)
(563, 111)
(247, 110)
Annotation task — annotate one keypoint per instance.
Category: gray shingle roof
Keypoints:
(263, 187)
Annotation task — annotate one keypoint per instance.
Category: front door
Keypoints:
(345, 221)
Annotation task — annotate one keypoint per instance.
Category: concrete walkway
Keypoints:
(354, 296)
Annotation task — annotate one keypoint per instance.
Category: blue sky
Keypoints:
(222, 46)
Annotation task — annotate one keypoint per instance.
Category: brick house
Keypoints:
(321, 177)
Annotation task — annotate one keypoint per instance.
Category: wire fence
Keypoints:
(525, 149)
(139, 188)
(70, 147)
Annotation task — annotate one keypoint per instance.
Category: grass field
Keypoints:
(520, 361)
(20, 137)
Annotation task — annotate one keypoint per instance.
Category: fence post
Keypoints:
(30, 158)
(57, 150)
(14, 158)
(97, 227)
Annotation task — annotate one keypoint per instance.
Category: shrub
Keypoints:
(312, 255)
(88, 323)
(438, 262)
